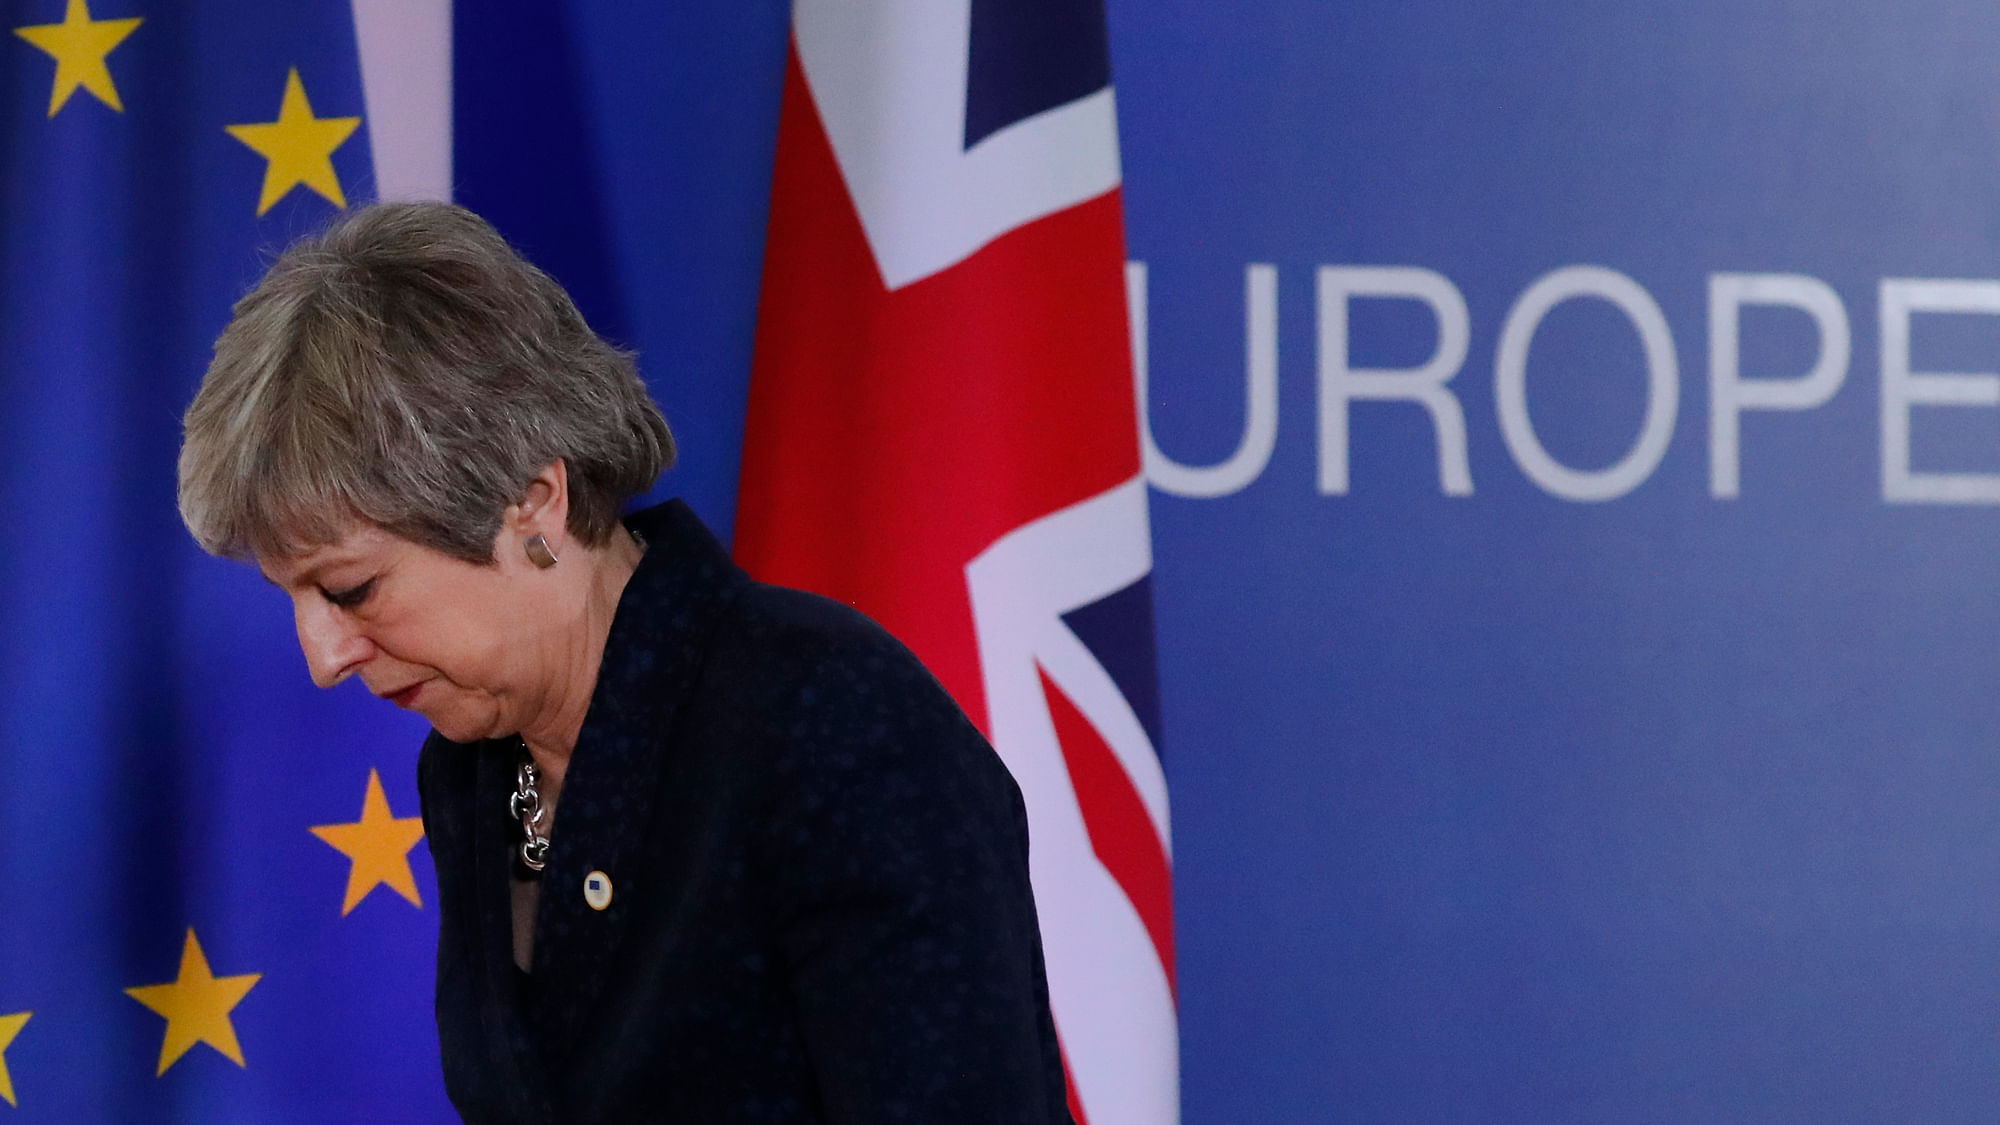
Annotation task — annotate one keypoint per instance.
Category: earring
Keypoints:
(538, 552)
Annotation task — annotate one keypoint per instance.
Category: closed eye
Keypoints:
(350, 598)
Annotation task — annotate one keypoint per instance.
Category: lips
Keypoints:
(405, 697)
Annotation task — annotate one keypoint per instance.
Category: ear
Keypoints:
(543, 509)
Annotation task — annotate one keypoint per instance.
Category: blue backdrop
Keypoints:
(1500, 805)
(1510, 807)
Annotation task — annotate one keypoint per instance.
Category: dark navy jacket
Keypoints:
(819, 869)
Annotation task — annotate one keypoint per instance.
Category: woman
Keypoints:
(707, 850)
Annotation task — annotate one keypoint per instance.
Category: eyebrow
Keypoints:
(307, 577)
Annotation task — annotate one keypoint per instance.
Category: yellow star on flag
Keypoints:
(197, 1007)
(10, 1026)
(79, 44)
(298, 147)
(379, 844)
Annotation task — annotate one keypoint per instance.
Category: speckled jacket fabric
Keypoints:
(820, 907)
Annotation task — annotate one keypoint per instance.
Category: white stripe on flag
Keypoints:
(405, 50)
(889, 80)
(1113, 1006)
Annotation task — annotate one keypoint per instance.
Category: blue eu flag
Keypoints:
(215, 903)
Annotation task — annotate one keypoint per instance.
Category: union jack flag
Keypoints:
(942, 432)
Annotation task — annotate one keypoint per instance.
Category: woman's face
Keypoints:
(467, 647)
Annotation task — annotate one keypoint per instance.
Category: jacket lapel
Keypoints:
(659, 638)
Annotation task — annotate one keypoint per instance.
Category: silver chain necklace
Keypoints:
(526, 805)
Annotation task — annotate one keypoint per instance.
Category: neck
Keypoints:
(551, 738)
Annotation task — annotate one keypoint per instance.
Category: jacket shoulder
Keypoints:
(797, 640)
(828, 691)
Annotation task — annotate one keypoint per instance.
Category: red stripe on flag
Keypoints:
(1121, 832)
(892, 437)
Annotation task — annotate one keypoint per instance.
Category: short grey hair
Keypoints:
(407, 368)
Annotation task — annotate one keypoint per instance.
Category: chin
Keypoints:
(461, 715)
(461, 727)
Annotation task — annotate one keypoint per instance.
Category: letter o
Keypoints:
(1510, 383)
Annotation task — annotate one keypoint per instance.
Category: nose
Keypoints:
(334, 647)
